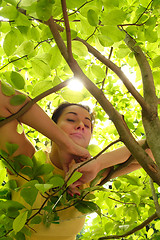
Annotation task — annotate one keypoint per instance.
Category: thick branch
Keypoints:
(117, 71)
(142, 225)
(147, 77)
(145, 161)
(60, 43)
(151, 121)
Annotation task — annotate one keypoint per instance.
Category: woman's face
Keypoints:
(75, 121)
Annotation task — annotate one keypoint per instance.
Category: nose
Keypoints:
(80, 125)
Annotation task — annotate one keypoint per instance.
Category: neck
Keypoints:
(54, 156)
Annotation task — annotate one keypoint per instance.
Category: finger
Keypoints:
(73, 191)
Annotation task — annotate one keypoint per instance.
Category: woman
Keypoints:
(70, 137)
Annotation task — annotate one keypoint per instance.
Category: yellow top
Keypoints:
(71, 220)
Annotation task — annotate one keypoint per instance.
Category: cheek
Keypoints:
(89, 135)
(65, 127)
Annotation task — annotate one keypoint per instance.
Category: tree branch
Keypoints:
(147, 77)
(13, 168)
(117, 71)
(155, 198)
(142, 225)
(110, 54)
(60, 43)
(120, 166)
(68, 31)
(139, 154)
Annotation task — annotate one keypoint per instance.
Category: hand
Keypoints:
(73, 151)
(89, 171)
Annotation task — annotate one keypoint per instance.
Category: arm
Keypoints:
(35, 117)
(106, 161)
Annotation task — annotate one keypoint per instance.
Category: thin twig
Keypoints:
(103, 82)
(157, 206)
(139, 227)
(13, 168)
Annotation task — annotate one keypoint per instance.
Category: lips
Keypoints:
(78, 135)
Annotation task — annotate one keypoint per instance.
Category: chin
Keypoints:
(80, 143)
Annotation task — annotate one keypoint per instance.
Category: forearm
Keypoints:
(115, 157)
(35, 117)
(130, 168)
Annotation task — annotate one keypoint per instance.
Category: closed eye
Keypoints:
(70, 120)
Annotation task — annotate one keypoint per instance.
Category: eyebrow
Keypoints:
(87, 118)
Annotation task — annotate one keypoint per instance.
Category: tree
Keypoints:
(45, 44)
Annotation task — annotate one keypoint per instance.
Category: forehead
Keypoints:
(79, 111)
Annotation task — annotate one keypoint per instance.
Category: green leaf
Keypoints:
(114, 17)
(36, 220)
(98, 71)
(44, 169)
(20, 236)
(30, 183)
(40, 67)
(9, 12)
(11, 148)
(27, 171)
(156, 62)
(20, 128)
(12, 184)
(41, 87)
(29, 194)
(110, 3)
(56, 181)
(73, 96)
(20, 221)
(44, 9)
(113, 34)
(108, 227)
(117, 184)
(74, 178)
(7, 89)
(24, 160)
(18, 62)
(56, 57)
(26, 48)
(157, 225)
(43, 187)
(17, 80)
(10, 204)
(18, 100)
(92, 17)
(94, 149)
(87, 207)
(150, 35)
(79, 48)
(11, 40)
(39, 158)
(13, 2)
(3, 153)
(22, 20)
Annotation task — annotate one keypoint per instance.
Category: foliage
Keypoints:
(36, 56)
